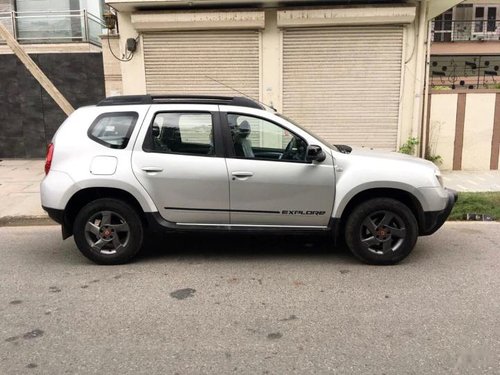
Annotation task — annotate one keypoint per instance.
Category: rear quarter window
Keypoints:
(113, 129)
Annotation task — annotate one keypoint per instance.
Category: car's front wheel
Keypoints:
(108, 231)
(381, 231)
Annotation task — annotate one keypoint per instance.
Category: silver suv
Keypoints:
(133, 164)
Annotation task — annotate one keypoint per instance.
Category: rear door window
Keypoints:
(187, 133)
(113, 129)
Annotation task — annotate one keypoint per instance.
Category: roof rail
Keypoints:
(126, 99)
(239, 101)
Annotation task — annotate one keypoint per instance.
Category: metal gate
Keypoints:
(344, 82)
(184, 62)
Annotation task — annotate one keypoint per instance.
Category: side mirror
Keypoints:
(315, 153)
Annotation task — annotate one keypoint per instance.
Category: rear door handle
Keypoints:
(242, 175)
(152, 169)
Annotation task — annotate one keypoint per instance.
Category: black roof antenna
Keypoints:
(242, 93)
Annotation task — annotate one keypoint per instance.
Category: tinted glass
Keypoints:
(113, 129)
(183, 133)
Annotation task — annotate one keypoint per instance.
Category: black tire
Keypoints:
(381, 231)
(116, 238)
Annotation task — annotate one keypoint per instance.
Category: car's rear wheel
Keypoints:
(108, 231)
(381, 231)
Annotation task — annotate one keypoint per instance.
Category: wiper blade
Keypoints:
(344, 149)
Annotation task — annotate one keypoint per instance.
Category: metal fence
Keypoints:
(465, 72)
(54, 26)
(464, 30)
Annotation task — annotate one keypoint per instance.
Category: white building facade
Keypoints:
(354, 74)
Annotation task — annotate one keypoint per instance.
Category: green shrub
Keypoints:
(409, 147)
(487, 203)
(436, 159)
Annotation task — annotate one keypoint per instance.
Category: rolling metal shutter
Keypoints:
(344, 82)
(181, 62)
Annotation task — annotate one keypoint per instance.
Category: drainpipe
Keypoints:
(416, 128)
(425, 117)
(14, 24)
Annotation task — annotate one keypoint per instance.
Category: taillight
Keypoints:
(48, 158)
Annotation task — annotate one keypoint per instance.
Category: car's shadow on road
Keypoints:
(241, 247)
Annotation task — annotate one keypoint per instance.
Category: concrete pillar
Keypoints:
(133, 71)
(112, 67)
(412, 92)
(271, 60)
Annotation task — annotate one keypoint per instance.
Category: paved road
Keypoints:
(250, 306)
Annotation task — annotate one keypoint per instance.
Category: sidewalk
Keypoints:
(472, 181)
(20, 188)
(20, 191)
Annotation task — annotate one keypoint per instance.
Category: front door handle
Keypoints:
(152, 169)
(241, 175)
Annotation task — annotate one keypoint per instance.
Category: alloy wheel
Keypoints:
(382, 232)
(107, 232)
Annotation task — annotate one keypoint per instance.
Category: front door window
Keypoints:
(256, 138)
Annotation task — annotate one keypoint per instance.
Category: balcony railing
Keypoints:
(53, 26)
(460, 30)
(465, 72)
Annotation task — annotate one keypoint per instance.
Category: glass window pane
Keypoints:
(256, 138)
(492, 16)
(113, 130)
(183, 133)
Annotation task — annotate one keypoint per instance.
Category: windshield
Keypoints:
(307, 131)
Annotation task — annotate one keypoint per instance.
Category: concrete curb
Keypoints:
(18, 221)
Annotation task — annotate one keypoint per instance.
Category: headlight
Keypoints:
(440, 179)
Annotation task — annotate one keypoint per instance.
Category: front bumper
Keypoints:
(433, 220)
